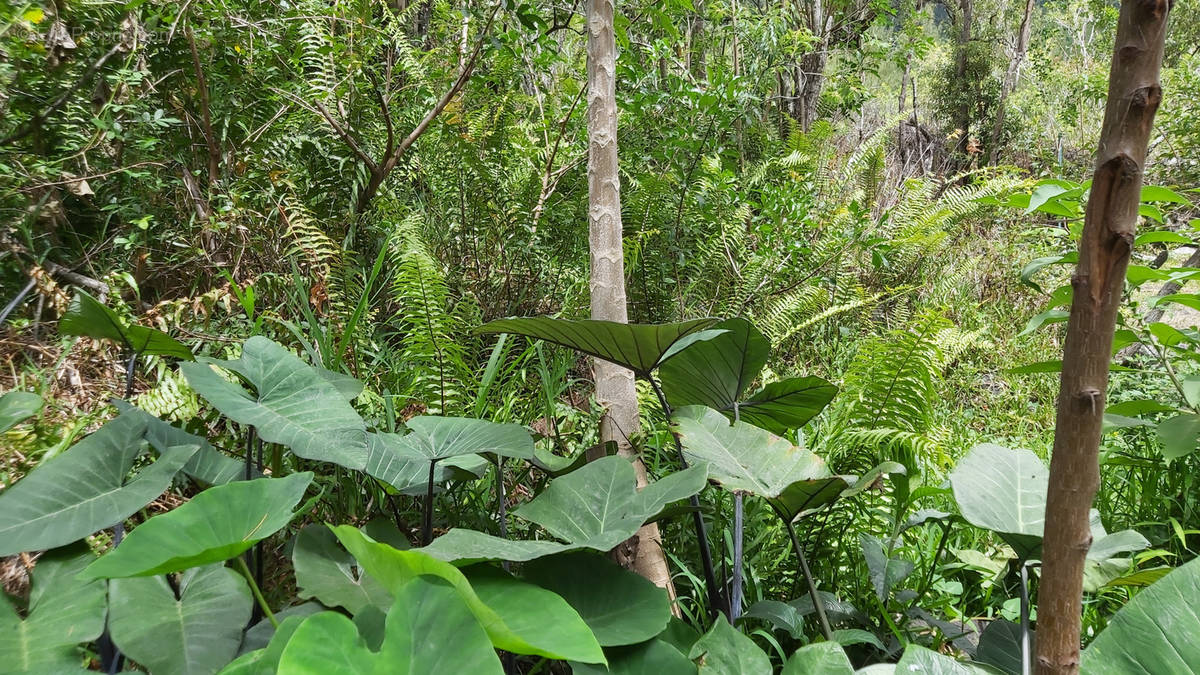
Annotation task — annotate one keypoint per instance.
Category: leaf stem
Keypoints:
(710, 576)
(258, 596)
(818, 606)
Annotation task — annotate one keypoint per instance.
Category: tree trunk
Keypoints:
(1111, 217)
(813, 64)
(615, 389)
(962, 114)
(1010, 81)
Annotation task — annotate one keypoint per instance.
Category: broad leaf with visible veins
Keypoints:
(63, 612)
(328, 573)
(196, 633)
(428, 630)
(209, 465)
(1003, 490)
(85, 489)
(546, 625)
(1155, 632)
(597, 507)
(214, 526)
(639, 347)
(292, 404)
(743, 457)
(716, 372)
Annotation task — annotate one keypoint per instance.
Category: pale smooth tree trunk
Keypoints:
(615, 389)
(1010, 81)
(1134, 93)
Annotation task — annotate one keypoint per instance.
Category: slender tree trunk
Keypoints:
(813, 64)
(1010, 81)
(1111, 217)
(962, 115)
(615, 389)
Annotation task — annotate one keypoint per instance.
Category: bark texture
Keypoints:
(615, 389)
(1111, 217)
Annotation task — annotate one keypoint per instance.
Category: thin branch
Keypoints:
(37, 120)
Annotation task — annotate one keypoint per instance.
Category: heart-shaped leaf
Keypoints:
(84, 489)
(214, 526)
(454, 444)
(787, 404)
(1155, 632)
(554, 630)
(1003, 490)
(743, 457)
(209, 465)
(265, 660)
(597, 507)
(198, 632)
(16, 407)
(885, 572)
(293, 405)
(1180, 435)
(391, 460)
(819, 658)
(88, 317)
(654, 657)
(621, 608)
(639, 347)
(328, 573)
(1000, 646)
(716, 372)
(428, 630)
(918, 659)
(725, 651)
(62, 613)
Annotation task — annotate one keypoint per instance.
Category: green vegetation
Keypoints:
(328, 347)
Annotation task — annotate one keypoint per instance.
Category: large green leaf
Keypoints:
(292, 404)
(84, 489)
(62, 613)
(436, 438)
(542, 617)
(819, 658)
(328, 573)
(654, 657)
(1003, 490)
(621, 608)
(1155, 632)
(1180, 435)
(597, 506)
(743, 457)
(716, 372)
(265, 660)
(394, 568)
(87, 316)
(725, 651)
(639, 347)
(214, 526)
(194, 634)
(428, 630)
(209, 465)
(16, 407)
(787, 404)
(390, 460)
(918, 659)
(455, 444)
(1000, 646)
